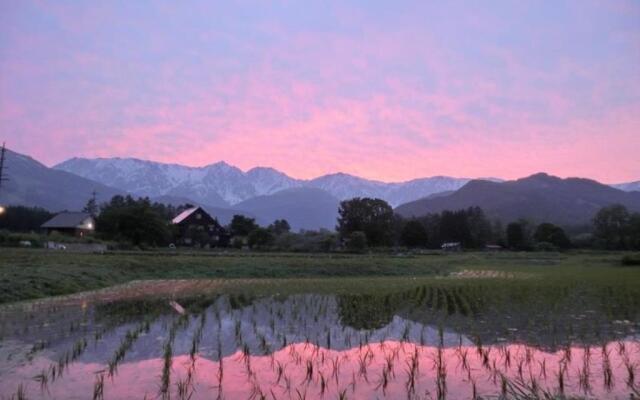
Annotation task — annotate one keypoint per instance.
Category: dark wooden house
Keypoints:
(195, 227)
(78, 224)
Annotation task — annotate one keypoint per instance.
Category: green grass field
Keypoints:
(28, 274)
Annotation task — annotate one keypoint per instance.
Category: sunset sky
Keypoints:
(388, 90)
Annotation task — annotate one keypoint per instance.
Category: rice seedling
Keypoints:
(125, 345)
(98, 387)
(606, 368)
(165, 380)
(184, 389)
(43, 379)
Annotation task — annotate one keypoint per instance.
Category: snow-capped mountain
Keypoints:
(344, 186)
(221, 184)
(629, 186)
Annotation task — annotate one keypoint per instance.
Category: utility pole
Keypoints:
(3, 178)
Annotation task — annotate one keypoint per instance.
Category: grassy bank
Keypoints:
(28, 274)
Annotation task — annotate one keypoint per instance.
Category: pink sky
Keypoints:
(384, 92)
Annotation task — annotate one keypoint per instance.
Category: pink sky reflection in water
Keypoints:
(344, 372)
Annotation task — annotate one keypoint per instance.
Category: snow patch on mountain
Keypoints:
(221, 184)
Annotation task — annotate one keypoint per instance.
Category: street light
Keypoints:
(2, 210)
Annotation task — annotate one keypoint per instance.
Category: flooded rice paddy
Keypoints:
(443, 340)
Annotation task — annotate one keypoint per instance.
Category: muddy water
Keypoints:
(408, 345)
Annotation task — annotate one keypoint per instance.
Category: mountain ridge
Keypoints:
(540, 197)
(31, 183)
(232, 185)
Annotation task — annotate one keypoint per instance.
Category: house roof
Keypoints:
(184, 215)
(67, 220)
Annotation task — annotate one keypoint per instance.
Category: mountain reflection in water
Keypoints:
(415, 344)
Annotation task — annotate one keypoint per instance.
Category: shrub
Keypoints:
(631, 260)
(10, 239)
(545, 246)
(308, 241)
(260, 238)
(237, 242)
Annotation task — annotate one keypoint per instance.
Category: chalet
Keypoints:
(195, 227)
(78, 224)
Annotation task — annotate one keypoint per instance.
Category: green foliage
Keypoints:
(631, 260)
(137, 221)
(617, 229)
(373, 217)
(307, 241)
(468, 226)
(260, 238)
(414, 234)
(280, 226)
(237, 242)
(13, 239)
(549, 233)
(516, 236)
(37, 273)
(23, 219)
(91, 207)
(241, 225)
(357, 241)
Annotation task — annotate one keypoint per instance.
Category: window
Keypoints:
(198, 216)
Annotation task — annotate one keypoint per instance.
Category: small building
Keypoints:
(451, 246)
(77, 224)
(195, 227)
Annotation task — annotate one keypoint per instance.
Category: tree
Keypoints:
(634, 231)
(357, 241)
(23, 219)
(414, 234)
(549, 233)
(137, 221)
(92, 205)
(611, 225)
(242, 226)
(516, 236)
(479, 227)
(280, 226)
(259, 237)
(373, 217)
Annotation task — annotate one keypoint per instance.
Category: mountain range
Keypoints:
(539, 198)
(267, 194)
(223, 185)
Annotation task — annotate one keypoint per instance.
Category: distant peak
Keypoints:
(220, 164)
(542, 176)
(263, 169)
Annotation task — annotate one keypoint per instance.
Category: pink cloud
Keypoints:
(389, 104)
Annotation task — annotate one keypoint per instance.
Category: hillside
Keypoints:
(540, 197)
(303, 208)
(31, 183)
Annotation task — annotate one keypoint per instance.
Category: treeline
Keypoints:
(23, 219)
(363, 223)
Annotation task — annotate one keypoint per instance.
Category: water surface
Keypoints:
(453, 341)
